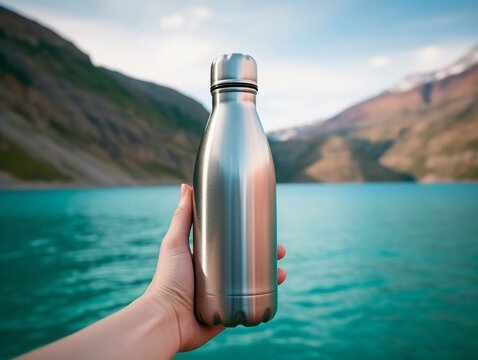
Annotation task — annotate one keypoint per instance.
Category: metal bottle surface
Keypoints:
(235, 246)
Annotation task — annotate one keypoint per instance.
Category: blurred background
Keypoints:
(102, 107)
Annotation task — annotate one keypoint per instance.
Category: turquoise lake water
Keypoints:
(374, 271)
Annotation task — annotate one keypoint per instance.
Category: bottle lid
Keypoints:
(234, 70)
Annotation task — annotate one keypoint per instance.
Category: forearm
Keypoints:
(142, 330)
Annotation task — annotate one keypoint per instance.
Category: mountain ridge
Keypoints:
(462, 64)
(427, 133)
(103, 128)
(66, 122)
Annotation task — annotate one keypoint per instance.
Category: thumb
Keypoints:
(178, 233)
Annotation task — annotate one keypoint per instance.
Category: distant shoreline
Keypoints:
(43, 186)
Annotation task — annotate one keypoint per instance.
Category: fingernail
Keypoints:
(183, 190)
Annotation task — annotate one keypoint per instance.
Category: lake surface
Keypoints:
(374, 271)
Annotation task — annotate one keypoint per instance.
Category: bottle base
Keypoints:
(230, 311)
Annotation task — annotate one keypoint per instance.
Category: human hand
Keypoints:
(159, 323)
(172, 287)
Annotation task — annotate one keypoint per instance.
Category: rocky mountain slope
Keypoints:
(426, 132)
(65, 121)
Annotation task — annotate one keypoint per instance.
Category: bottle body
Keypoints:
(235, 247)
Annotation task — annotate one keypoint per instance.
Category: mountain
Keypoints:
(427, 131)
(457, 67)
(288, 133)
(64, 121)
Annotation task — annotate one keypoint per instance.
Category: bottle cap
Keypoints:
(233, 70)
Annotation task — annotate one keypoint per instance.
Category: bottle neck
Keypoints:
(233, 95)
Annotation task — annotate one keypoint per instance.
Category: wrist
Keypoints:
(162, 324)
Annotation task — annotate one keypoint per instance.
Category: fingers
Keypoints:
(178, 233)
(281, 275)
(280, 252)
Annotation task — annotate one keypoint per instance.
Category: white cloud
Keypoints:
(298, 91)
(171, 22)
(197, 16)
(189, 19)
(201, 13)
(380, 61)
(428, 55)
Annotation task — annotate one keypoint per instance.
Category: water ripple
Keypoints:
(374, 271)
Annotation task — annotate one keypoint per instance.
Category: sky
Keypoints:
(315, 58)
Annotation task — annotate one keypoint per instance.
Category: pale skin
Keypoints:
(160, 322)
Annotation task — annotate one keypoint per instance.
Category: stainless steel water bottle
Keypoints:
(234, 232)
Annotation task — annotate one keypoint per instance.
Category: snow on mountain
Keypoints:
(458, 67)
(288, 133)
